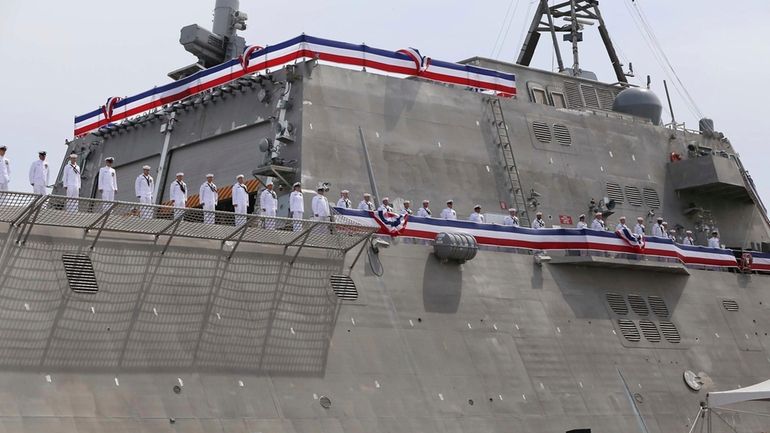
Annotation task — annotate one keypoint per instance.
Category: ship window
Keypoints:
(539, 96)
(558, 100)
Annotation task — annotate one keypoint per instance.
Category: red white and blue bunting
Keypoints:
(558, 239)
(406, 62)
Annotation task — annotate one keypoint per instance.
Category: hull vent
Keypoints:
(638, 305)
(562, 135)
(650, 331)
(670, 333)
(589, 95)
(651, 198)
(614, 192)
(617, 303)
(542, 132)
(606, 98)
(730, 304)
(658, 306)
(80, 273)
(344, 287)
(633, 195)
(629, 330)
(574, 100)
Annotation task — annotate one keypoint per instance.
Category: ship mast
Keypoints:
(576, 14)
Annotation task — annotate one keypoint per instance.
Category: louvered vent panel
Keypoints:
(590, 96)
(651, 198)
(542, 132)
(617, 304)
(573, 95)
(614, 192)
(650, 331)
(629, 330)
(638, 305)
(344, 287)
(658, 306)
(669, 331)
(606, 98)
(730, 304)
(633, 195)
(80, 273)
(562, 135)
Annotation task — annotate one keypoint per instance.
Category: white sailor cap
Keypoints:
(672, 231)
(269, 183)
(209, 175)
(41, 152)
(477, 206)
(513, 209)
(73, 155)
(426, 201)
(296, 184)
(539, 213)
(582, 216)
(714, 232)
(366, 194)
(385, 199)
(180, 174)
(639, 219)
(665, 223)
(321, 187)
(3, 147)
(450, 201)
(109, 158)
(622, 218)
(240, 176)
(407, 202)
(660, 218)
(689, 232)
(146, 167)
(598, 214)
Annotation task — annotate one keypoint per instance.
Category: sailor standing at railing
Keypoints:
(476, 216)
(598, 222)
(71, 181)
(5, 169)
(424, 211)
(639, 227)
(38, 174)
(538, 222)
(657, 228)
(240, 200)
(366, 203)
(321, 209)
(449, 213)
(385, 206)
(143, 187)
(179, 195)
(714, 240)
(297, 206)
(406, 208)
(209, 197)
(268, 201)
(108, 182)
(621, 224)
(581, 224)
(512, 219)
(688, 239)
(344, 201)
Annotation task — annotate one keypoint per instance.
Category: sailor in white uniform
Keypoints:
(538, 222)
(385, 207)
(621, 224)
(424, 211)
(366, 203)
(714, 240)
(448, 213)
(297, 206)
(321, 211)
(208, 195)
(108, 182)
(512, 219)
(688, 239)
(71, 181)
(639, 227)
(240, 196)
(268, 202)
(178, 194)
(476, 216)
(598, 222)
(582, 224)
(38, 174)
(672, 235)
(657, 229)
(144, 185)
(344, 201)
(5, 169)
(406, 208)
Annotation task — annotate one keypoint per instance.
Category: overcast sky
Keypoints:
(62, 58)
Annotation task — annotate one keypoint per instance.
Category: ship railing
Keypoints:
(26, 210)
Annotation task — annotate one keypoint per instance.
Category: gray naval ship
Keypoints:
(123, 317)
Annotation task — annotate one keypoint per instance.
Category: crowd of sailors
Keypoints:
(144, 187)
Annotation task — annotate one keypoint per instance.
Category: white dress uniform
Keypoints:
(108, 183)
(268, 202)
(620, 227)
(209, 197)
(658, 231)
(344, 203)
(321, 212)
(240, 203)
(424, 212)
(5, 173)
(538, 224)
(597, 224)
(38, 176)
(714, 243)
(639, 229)
(143, 187)
(365, 205)
(71, 181)
(448, 214)
(581, 225)
(512, 221)
(385, 209)
(406, 211)
(297, 208)
(688, 241)
(476, 217)
(179, 195)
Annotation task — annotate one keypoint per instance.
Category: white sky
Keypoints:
(63, 58)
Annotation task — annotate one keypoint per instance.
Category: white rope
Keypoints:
(694, 423)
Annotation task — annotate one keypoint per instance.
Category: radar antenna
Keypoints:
(576, 14)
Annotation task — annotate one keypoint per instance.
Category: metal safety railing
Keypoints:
(27, 210)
